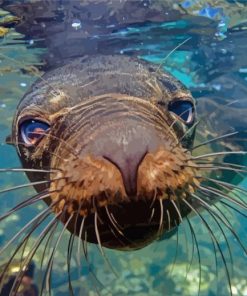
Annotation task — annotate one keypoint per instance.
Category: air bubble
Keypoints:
(76, 24)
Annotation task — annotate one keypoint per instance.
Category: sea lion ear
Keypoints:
(9, 140)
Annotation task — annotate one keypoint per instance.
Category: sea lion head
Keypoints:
(114, 134)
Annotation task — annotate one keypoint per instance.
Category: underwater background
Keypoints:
(211, 61)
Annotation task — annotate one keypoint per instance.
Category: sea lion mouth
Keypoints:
(126, 226)
(132, 238)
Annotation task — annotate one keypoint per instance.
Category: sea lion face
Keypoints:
(115, 133)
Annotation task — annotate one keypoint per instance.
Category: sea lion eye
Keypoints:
(31, 131)
(184, 109)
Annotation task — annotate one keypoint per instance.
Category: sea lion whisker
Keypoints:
(84, 246)
(223, 202)
(235, 209)
(48, 241)
(223, 233)
(207, 206)
(24, 170)
(225, 164)
(231, 207)
(113, 231)
(169, 219)
(192, 253)
(24, 185)
(97, 233)
(91, 272)
(44, 214)
(85, 252)
(216, 167)
(186, 246)
(113, 222)
(26, 203)
(170, 53)
(79, 234)
(154, 198)
(227, 187)
(70, 247)
(216, 192)
(116, 233)
(223, 214)
(100, 244)
(177, 119)
(177, 210)
(239, 172)
(85, 249)
(79, 242)
(216, 264)
(30, 184)
(213, 140)
(218, 154)
(185, 134)
(198, 254)
(20, 245)
(23, 250)
(228, 247)
(34, 227)
(161, 218)
(175, 255)
(37, 221)
(47, 276)
(232, 103)
(201, 120)
(151, 216)
(29, 257)
(69, 255)
(205, 223)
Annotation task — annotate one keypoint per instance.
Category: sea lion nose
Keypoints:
(127, 157)
(125, 146)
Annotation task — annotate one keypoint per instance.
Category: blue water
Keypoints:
(214, 54)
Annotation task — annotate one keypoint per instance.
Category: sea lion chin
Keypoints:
(116, 132)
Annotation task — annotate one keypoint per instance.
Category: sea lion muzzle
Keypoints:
(120, 169)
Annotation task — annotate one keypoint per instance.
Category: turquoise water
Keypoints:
(212, 63)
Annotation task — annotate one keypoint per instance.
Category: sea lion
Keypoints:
(117, 142)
